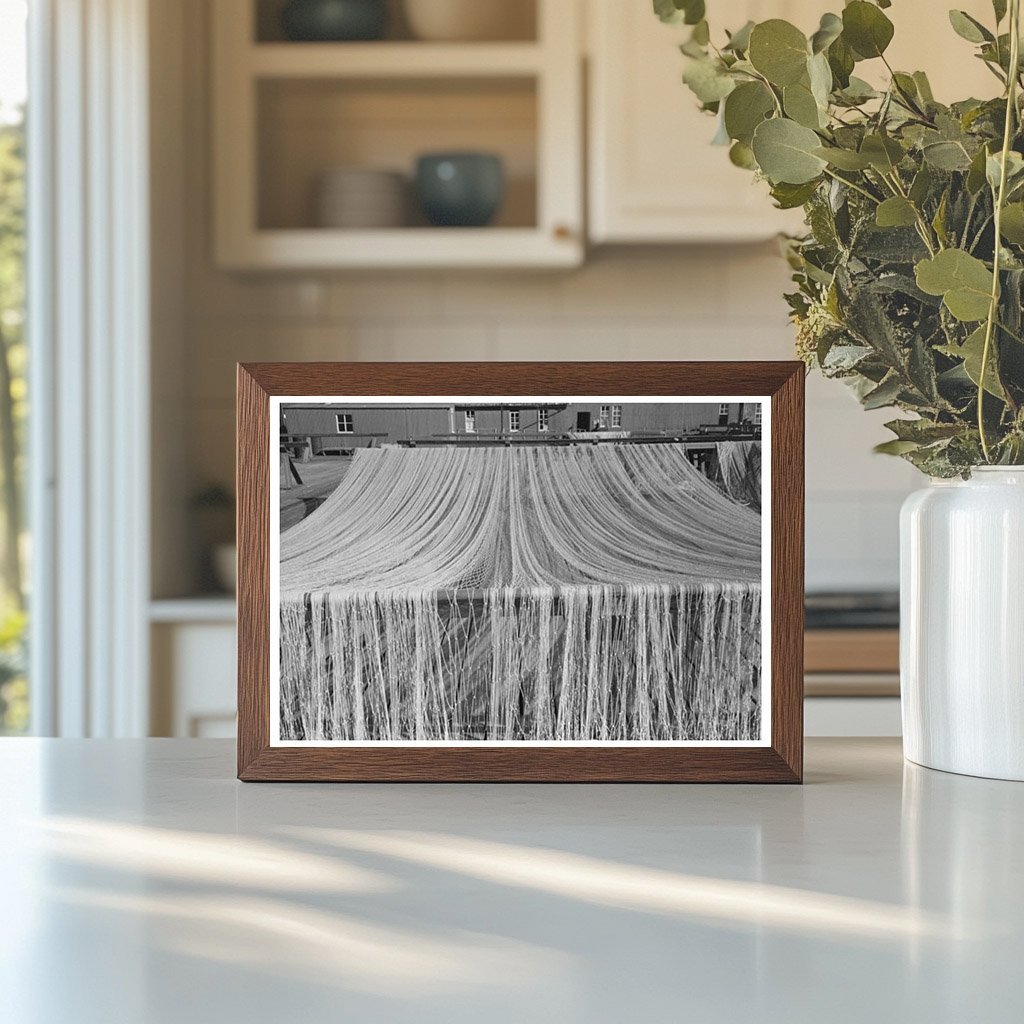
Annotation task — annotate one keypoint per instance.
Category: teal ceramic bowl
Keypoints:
(333, 21)
(462, 190)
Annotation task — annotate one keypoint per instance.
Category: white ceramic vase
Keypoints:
(962, 624)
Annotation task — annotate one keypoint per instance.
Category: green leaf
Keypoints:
(994, 168)
(1012, 225)
(739, 41)
(921, 369)
(741, 155)
(746, 107)
(778, 50)
(858, 91)
(971, 352)
(976, 173)
(895, 447)
(708, 80)
(883, 153)
(963, 281)
(866, 29)
(939, 220)
(924, 87)
(921, 185)
(694, 11)
(676, 12)
(969, 28)
(820, 76)
(841, 60)
(997, 53)
(896, 212)
(999, 7)
(668, 12)
(885, 394)
(906, 88)
(967, 304)
(785, 152)
(800, 105)
(947, 156)
(844, 159)
(923, 431)
(789, 197)
(829, 30)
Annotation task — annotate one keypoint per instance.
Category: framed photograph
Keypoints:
(520, 571)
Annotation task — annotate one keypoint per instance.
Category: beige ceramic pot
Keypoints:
(469, 20)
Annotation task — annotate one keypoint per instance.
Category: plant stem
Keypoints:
(923, 228)
(969, 218)
(856, 188)
(993, 309)
(981, 231)
(1012, 334)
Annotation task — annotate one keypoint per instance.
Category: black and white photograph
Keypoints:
(522, 570)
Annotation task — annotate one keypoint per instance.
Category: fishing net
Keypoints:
(605, 592)
(739, 468)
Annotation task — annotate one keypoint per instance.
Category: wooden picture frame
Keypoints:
(779, 385)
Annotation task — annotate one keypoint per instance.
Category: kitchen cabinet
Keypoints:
(286, 113)
(192, 650)
(653, 175)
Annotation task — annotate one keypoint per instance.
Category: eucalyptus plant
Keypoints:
(910, 278)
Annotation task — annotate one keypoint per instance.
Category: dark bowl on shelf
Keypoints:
(333, 21)
(461, 190)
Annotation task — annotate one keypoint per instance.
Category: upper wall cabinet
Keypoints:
(653, 174)
(316, 143)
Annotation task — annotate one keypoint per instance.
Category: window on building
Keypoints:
(606, 415)
(543, 417)
(757, 415)
(471, 421)
(723, 414)
(616, 415)
(344, 423)
(513, 421)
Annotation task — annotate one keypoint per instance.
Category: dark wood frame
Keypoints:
(782, 761)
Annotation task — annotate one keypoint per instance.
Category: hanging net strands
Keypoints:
(739, 468)
(522, 593)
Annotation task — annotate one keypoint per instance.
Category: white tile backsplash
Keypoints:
(704, 303)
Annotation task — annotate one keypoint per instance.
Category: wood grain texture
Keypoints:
(781, 762)
(252, 473)
(852, 650)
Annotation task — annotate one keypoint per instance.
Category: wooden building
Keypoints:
(316, 429)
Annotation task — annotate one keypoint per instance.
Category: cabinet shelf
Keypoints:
(392, 60)
(310, 248)
(287, 113)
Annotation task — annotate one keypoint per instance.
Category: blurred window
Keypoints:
(14, 540)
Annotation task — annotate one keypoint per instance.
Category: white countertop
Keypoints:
(143, 885)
